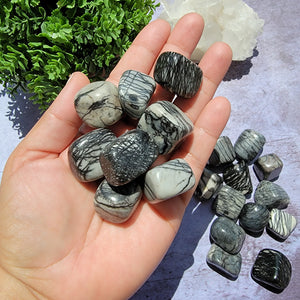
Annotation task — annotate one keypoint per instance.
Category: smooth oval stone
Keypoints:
(249, 145)
(166, 124)
(128, 157)
(168, 180)
(227, 235)
(272, 270)
(226, 264)
(84, 154)
(254, 217)
(229, 202)
(281, 224)
(135, 92)
(178, 74)
(268, 167)
(223, 152)
(98, 104)
(272, 195)
(117, 204)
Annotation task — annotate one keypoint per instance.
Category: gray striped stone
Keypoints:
(223, 152)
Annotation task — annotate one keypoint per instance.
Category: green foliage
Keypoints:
(43, 42)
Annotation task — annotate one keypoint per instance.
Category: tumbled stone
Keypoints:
(168, 180)
(229, 202)
(84, 154)
(128, 157)
(272, 195)
(281, 224)
(178, 74)
(254, 217)
(249, 145)
(208, 185)
(98, 104)
(117, 204)
(166, 124)
(135, 91)
(268, 167)
(238, 177)
(226, 264)
(227, 234)
(272, 270)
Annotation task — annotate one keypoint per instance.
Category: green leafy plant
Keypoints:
(43, 42)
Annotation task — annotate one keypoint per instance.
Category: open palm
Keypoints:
(52, 243)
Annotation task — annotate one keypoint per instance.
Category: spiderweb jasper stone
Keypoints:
(84, 154)
(135, 91)
(178, 74)
(166, 124)
(128, 157)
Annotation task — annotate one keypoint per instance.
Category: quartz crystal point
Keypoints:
(272, 270)
(135, 91)
(168, 180)
(98, 104)
(128, 157)
(117, 204)
(272, 195)
(226, 264)
(84, 154)
(166, 124)
(178, 74)
(227, 235)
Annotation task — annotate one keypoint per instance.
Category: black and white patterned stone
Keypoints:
(268, 167)
(168, 180)
(281, 224)
(208, 185)
(223, 152)
(238, 177)
(249, 145)
(128, 157)
(227, 234)
(229, 202)
(272, 195)
(226, 264)
(166, 124)
(254, 217)
(117, 204)
(178, 74)
(272, 270)
(84, 154)
(98, 104)
(135, 92)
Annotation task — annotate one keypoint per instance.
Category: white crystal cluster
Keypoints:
(230, 21)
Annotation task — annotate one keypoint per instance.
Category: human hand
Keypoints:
(52, 243)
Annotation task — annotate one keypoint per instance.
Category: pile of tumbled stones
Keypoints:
(123, 164)
(227, 182)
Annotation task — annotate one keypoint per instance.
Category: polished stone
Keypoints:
(227, 234)
(272, 195)
(249, 145)
(166, 124)
(168, 180)
(281, 224)
(128, 157)
(84, 154)
(117, 204)
(135, 92)
(98, 104)
(272, 270)
(178, 74)
(254, 217)
(268, 167)
(229, 202)
(238, 177)
(226, 264)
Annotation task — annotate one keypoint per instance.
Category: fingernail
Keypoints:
(70, 77)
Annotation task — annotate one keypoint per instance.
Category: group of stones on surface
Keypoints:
(123, 164)
(226, 180)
